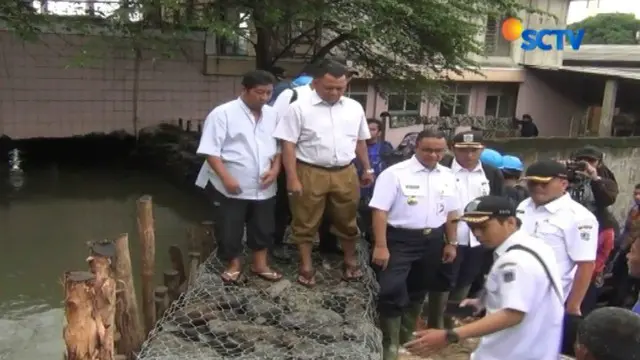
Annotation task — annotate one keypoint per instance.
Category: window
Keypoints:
(233, 45)
(404, 104)
(358, 91)
(501, 101)
(494, 43)
(456, 101)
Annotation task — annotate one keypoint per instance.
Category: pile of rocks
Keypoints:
(261, 320)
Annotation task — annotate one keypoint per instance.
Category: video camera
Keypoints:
(575, 171)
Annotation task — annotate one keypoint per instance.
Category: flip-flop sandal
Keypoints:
(231, 277)
(307, 278)
(269, 275)
(352, 273)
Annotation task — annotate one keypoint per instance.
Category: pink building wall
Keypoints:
(44, 93)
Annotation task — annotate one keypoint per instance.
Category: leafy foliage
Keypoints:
(406, 43)
(615, 28)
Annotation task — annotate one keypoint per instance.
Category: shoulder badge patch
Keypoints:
(585, 235)
(508, 276)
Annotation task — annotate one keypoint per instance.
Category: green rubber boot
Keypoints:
(436, 306)
(409, 320)
(390, 337)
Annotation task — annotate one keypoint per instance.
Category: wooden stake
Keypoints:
(148, 241)
(161, 300)
(105, 295)
(194, 263)
(81, 331)
(177, 262)
(127, 315)
(172, 282)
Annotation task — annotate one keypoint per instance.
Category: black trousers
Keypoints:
(478, 283)
(463, 271)
(231, 217)
(282, 216)
(415, 258)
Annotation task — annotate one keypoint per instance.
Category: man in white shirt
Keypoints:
(242, 164)
(321, 135)
(411, 204)
(568, 228)
(522, 296)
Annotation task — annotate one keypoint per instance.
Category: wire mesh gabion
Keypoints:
(260, 320)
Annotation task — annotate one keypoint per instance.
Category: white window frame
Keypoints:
(364, 93)
(405, 112)
(502, 95)
(455, 91)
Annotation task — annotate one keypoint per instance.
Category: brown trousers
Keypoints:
(336, 190)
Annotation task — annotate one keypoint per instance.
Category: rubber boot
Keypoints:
(390, 337)
(410, 318)
(456, 295)
(437, 304)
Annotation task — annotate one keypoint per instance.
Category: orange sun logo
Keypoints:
(512, 29)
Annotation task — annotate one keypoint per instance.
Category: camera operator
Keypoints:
(595, 187)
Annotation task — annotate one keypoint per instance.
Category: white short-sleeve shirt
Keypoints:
(567, 227)
(325, 134)
(518, 281)
(246, 147)
(414, 196)
(470, 185)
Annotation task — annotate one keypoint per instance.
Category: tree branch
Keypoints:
(291, 44)
(326, 49)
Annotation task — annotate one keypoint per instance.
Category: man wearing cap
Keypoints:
(598, 192)
(523, 296)
(568, 228)
(411, 202)
(473, 179)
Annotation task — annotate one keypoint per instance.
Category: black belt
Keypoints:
(327, 168)
(414, 232)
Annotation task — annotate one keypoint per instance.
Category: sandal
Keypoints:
(307, 278)
(352, 273)
(268, 275)
(231, 277)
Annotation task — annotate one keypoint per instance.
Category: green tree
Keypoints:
(615, 28)
(407, 43)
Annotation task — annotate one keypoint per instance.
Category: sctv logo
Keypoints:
(512, 29)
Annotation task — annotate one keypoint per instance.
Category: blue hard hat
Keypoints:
(302, 80)
(510, 162)
(491, 157)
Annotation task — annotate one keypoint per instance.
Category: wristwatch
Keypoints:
(370, 171)
(452, 336)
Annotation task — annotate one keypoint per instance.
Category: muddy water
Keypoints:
(44, 226)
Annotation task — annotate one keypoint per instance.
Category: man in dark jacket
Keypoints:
(527, 127)
(598, 193)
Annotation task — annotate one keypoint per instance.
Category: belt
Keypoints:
(414, 232)
(327, 168)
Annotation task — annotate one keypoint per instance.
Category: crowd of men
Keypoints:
(463, 226)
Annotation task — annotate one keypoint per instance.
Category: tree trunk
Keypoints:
(104, 295)
(82, 331)
(264, 38)
(127, 316)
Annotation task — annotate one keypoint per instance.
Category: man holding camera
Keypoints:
(599, 191)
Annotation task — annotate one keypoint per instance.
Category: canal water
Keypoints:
(44, 227)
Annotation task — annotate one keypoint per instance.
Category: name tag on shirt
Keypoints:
(411, 189)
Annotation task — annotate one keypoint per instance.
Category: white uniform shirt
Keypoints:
(246, 147)
(325, 134)
(284, 99)
(517, 281)
(414, 196)
(568, 228)
(470, 185)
